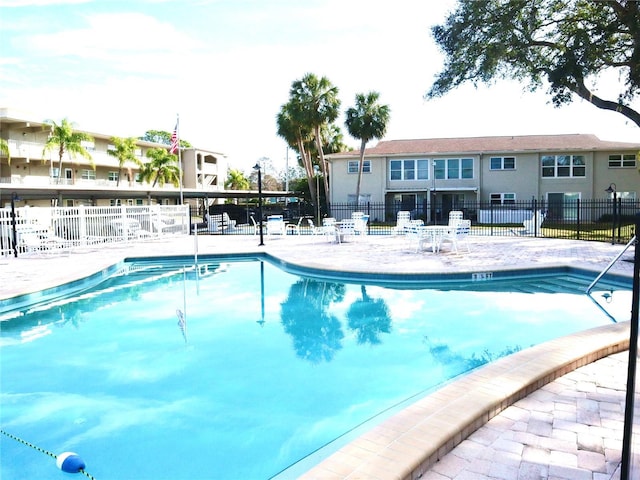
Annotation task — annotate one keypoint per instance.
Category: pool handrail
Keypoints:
(608, 267)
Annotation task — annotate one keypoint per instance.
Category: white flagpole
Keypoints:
(179, 156)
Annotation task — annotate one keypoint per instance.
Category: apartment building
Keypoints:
(497, 170)
(33, 178)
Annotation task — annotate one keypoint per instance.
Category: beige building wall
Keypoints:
(626, 179)
(344, 183)
(523, 180)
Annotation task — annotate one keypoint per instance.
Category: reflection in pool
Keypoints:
(268, 367)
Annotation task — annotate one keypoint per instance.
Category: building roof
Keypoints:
(503, 144)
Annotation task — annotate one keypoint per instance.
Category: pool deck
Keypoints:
(554, 411)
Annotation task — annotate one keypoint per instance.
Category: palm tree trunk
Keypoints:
(323, 165)
(363, 144)
(308, 167)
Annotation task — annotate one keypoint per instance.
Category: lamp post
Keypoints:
(316, 171)
(257, 167)
(612, 189)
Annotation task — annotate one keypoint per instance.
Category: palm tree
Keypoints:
(64, 139)
(236, 180)
(163, 167)
(315, 103)
(4, 149)
(124, 151)
(297, 136)
(365, 121)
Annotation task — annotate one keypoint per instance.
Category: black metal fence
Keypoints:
(610, 220)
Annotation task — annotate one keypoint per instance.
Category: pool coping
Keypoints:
(406, 445)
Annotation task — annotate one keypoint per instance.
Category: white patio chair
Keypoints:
(314, 229)
(360, 222)
(294, 228)
(346, 228)
(454, 217)
(416, 235)
(533, 225)
(275, 225)
(457, 234)
(256, 227)
(402, 219)
(330, 229)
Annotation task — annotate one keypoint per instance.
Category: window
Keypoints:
(563, 166)
(364, 198)
(354, 164)
(622, 161)
(453, 168)
(88, 174)
(55, 172)
(467, 167)
(112, 176)
(503, 163)
(409, 169)
(503, 198)
(115, 202)
(88, 145)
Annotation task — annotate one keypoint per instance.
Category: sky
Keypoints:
(225, 67)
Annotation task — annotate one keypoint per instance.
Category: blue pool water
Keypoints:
(271, 366)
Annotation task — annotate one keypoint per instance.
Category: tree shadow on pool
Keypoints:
(317, 334)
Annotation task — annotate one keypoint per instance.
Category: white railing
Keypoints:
(59, 229)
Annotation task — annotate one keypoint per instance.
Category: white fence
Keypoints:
(43, 230)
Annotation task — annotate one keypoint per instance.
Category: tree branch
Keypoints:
(583, 92)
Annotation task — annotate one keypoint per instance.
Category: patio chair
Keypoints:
(457, 234)
(256, 227)
(275, 225)
(402, 219)
(417, 236)
(314, 230)
(294, 228)
(533, 225)
(454, 217)
(330, 229)
(360, 222)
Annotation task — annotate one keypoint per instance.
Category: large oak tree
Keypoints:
(563, 44)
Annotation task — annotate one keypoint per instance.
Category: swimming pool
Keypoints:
(270, 366)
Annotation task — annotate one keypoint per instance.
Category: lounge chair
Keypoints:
(42, 243)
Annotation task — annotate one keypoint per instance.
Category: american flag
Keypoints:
(174, 140)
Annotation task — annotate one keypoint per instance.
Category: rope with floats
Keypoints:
(69, 462)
